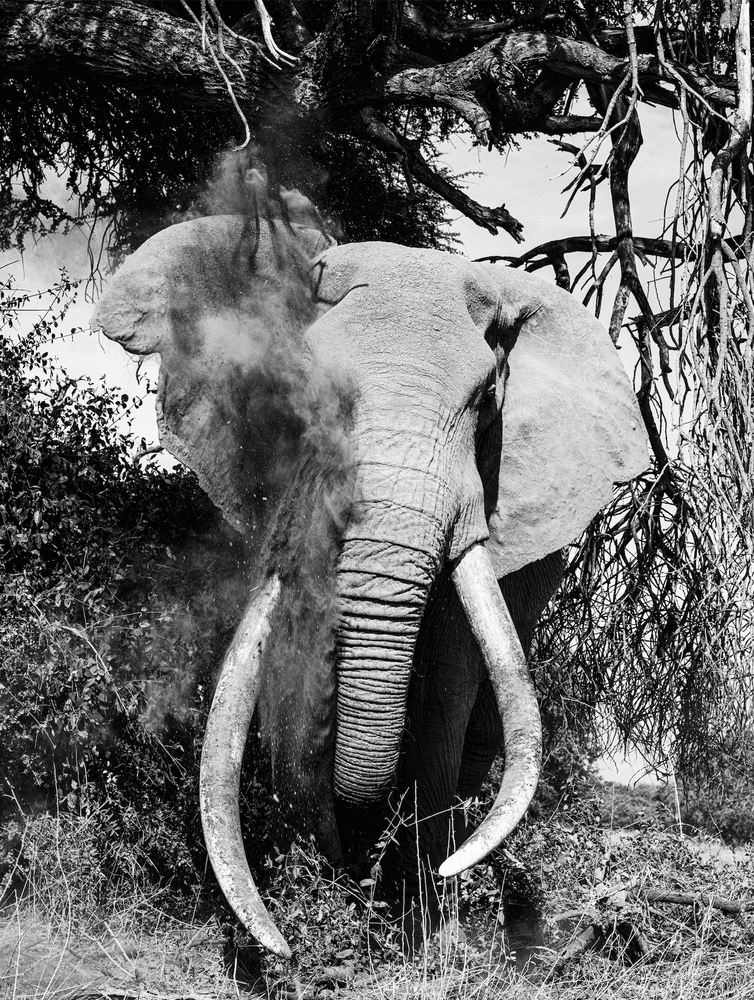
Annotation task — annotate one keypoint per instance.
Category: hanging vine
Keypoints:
(655, 623)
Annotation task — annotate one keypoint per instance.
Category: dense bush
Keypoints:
(120, 590)
(725, 807)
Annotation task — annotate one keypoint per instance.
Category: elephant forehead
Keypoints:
(414, 365)
(408, 278)
(400, 321)
(202, 266)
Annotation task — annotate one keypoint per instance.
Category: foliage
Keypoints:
(654, 620)
(118, 596)
(119, 157)
(368, 197)
(723, 810)
(724, 807)
(139, 162)
(90, 914)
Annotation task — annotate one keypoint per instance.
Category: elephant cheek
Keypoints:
(471, 524)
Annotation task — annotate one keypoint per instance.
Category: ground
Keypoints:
(574, 906)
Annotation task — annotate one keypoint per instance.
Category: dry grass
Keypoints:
(38, 959)
(72, 931)
(185, 962)
(730, 979)
(62, 941)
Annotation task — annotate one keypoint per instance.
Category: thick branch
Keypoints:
(567, 124)
(375, 131)
(741, 127)
(491, 219)
(485, 87)
(150, 49)
(426, 29)
(124, 44)
(646, 246)
(733, 907)
(602, 244)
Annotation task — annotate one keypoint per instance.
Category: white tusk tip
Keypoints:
(446, 869)
(275, 942)
(453, 865)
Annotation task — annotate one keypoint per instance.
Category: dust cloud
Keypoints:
(294, 441)
(239, 185)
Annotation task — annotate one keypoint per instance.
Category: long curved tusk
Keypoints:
(220, 774)
(493, 629)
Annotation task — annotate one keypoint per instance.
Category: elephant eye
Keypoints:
(487, 406)
(489, 393)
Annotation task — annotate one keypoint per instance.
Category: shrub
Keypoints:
(119, 593)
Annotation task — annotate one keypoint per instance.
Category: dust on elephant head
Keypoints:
(476, 418)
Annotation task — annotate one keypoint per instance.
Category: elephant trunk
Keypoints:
(220, 774)
(495, 633)
(383, 589)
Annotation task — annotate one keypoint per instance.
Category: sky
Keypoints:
(528, 180)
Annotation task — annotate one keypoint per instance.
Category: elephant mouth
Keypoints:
(234, 702)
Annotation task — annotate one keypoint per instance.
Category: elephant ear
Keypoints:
(224, 301)
(571, 424)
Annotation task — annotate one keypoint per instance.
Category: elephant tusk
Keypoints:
(494, 631)
(220, 774)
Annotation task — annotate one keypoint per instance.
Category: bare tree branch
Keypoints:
(647, 245)
(492, 219)
(733, 907)
(484, 87)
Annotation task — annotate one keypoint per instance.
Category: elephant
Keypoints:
(466, 423)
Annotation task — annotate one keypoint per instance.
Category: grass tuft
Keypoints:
(82, 918)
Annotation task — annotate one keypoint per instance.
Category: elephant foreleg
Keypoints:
(482, 743)
(453, 732)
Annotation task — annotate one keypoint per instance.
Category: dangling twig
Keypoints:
(275, 49)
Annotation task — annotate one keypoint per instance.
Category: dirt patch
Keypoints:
(57, 963)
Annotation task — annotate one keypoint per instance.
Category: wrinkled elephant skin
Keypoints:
(481, 417)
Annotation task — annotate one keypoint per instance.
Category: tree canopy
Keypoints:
(349, 102)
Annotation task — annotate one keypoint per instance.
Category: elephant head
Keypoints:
(485, 418)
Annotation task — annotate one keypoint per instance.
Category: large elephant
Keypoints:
(470, 421)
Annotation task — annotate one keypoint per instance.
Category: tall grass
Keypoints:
(81, 918)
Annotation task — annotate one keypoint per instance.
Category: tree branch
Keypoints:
(147, 49)
(485, 87)
(125, 44)
(733, 907)
(603, 244)
(452, 31)
(491, 219)
(366, 125)
(607, 244)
